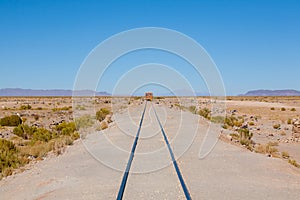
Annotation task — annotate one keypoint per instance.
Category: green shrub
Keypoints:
(232, 121)
(33, 133)
(217, 119)
(245, 133)
(289, 121)
(293, 109)
(13, 120)
(41, 134)
(8, 157)
(66, 128)
(101, 114)
(272, 108)
(283, 109)
(205, 112)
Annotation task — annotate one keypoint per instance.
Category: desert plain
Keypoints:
(84, 155)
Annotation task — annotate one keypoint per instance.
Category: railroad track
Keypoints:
(130, 160)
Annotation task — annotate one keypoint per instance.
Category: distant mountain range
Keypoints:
(272, 93)
(30, 92)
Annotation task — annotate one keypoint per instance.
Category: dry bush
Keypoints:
(267, 149)
(276, 126)
(294, 163)
(101, 114)
(285, 155)
(251, 123)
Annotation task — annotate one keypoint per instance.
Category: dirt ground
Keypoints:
(90, 170)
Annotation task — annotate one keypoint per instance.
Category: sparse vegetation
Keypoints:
(217, 119)
(276, 126)
(272, 108)
(245, 137)
(101, 114)
(61, 109)
(283, 109)
(8, 158)
(268, 149)
(251, 123)
(205, 112)
(193, 109)
(294, 163)
(25, 107)
(289, 121)
(285, 155)
(80, 107)
(12, 120)
(293, 109)
(84, 122)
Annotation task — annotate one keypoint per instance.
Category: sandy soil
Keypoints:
(95, 172)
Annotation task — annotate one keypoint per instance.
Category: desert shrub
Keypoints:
(36, 117)
(245, 136)
(293, 109)
(12, 120)
(267, 149)
(217, 119)
(101, 114)
(24, 131)
(8, 157)
(60, 109)
(232, 121)
(225, 126)
(66, 128)
(75, 135)
(251, 123)
(283, 109)
(41, 134)
(33, 133)
(294, 163)
(25, 107)
(272, 108)
(285, 155)
(193, 109)
(38, 149)
(276, 126)
(235, 136)
(84, 121)
(205, 112)
(289, 121)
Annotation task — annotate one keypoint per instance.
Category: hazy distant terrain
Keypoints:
(272, 93)
(52, 92)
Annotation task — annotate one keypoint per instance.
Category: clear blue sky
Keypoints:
(255, 43)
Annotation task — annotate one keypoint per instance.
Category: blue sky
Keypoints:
(255, 44)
